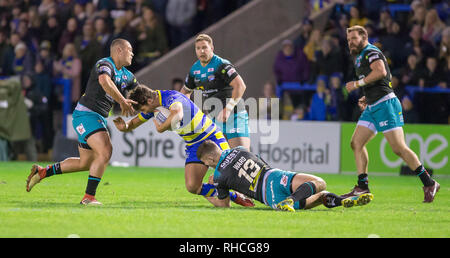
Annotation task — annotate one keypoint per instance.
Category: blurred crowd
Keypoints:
(415, 41)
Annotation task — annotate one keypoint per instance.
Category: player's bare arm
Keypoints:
(377, 73)
(176, 114)
(186, 91)
(110, 88)
(129, 126)
(239, 87)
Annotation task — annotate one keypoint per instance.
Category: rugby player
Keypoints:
(218, 79)
(382, 112)
(243, 171)
(188, 121)
(108, 82)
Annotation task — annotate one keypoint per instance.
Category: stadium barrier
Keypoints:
(302, 146)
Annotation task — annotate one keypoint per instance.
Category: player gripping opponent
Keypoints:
(243, 171)
(188, 121)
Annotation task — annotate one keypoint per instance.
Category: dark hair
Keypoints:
(141, 94)
(207, 146)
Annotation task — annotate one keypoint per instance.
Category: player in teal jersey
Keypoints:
(243, 171)
(189, 122)
(218, 80)
(108, 83)
(382, 112)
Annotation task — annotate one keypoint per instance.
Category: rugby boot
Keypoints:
(243, 200)
(36, 175)
(89, 200)
(356, 191)
(286, 205)
(359, 200)
(430, 191)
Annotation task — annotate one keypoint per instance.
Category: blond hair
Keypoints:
(204, 37)
(360, 29)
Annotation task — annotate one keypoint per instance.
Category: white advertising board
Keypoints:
(312, 147)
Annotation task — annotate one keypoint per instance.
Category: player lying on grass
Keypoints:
(188, 121)
(243, 171)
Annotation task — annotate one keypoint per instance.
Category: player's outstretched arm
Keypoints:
(129, 126)
(110, 88)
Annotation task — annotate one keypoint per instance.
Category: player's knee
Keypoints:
(193, 187)
(321, 185)
(355, 145)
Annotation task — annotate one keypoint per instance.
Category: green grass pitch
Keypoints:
(153, 202)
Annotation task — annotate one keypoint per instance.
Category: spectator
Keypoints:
(418, 15)
(79, 14)
(265, 102)
(430, 76)
(42, 83)
(337, 108)
(180, 15)
(444, 47)
(69, 67)
(121, 30)
(416, 45)
(89, 51)
(119, 9)
(356, 18)
(313, 45)
(102, 35)
(433, 27)
(409, 73)
(300, 113)
(23, 60)
(46, 57)
(291, 65)
(328, 59)
(305, 31)
(392, 42)
(152, 40)
(51, 32)
(68, 35)
(9, 54)
(318, 109)
(45, 6)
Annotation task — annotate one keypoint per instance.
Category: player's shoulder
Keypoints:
(218, 61)
(371, 49)
(105, 61)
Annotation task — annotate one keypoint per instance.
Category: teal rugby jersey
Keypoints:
(376, 90)
(213, 79)
(95, 98)
(195, 125)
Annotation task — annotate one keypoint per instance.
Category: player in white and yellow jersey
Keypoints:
(188, 121)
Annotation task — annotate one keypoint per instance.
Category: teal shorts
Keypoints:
(86, 123)
(277, 187)
(236, 126)
(384, 115)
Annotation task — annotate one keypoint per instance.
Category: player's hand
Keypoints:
(127, 107)
(211, 179)
(362, 103)
(223, 115)
(350, 86)
(158, 126)
(120, 124)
